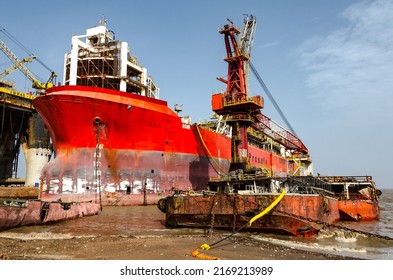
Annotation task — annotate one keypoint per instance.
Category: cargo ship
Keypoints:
(113, 138)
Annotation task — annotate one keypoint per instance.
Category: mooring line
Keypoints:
(206, 247)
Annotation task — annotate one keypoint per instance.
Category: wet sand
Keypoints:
(148, 248)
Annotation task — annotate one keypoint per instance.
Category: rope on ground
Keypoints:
(202, 256)
(206, 247)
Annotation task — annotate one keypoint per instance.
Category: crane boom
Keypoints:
(36, 83)
(247, 36)
(15, 66)
(280, 134)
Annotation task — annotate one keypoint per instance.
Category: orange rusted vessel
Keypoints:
(357, 197)
(310, 204)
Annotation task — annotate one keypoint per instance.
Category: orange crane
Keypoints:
(239, 110)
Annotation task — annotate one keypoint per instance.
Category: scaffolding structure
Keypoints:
(96, 59)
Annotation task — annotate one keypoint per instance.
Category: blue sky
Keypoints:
(328, 64)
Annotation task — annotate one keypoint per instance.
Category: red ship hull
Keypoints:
(133, 139)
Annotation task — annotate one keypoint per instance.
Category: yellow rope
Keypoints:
(267, 210)
(206, 247)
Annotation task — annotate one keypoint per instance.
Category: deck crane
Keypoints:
(40, 86)
(239, 111)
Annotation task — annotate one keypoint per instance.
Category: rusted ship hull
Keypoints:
(358, 197)
(294, 215)
(358, 210)
(306, 204)
(15, 213)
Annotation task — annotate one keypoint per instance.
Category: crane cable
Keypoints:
(206, 247)
(271, 98)
(19, 44)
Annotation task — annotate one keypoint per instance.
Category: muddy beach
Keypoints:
(146, 248)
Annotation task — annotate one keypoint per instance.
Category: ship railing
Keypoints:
(345, 179)
(247, 100)
(355, 196)
(178, 192)
(307, 183)
(320, 191)
(242, 117)
(297, 185)
(240, 176)
(293, 184)
(298, 189)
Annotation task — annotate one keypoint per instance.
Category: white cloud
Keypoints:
(352, 66)
(267, 45)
